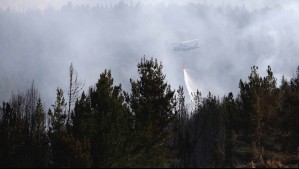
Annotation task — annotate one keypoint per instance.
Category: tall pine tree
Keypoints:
(152, 103)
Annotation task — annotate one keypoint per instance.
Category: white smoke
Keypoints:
(23, 5)
(232, 37)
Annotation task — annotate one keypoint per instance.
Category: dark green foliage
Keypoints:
(8, 121)
(153, 127)
(57, 132)
(289, 114)
(151, 99)
(83, 118)
(260, 100)
(231, 110)
(152, 103)
(39, 139)
(102, 118)
(58, 117)
(112, 123)
(66, 149)
(23, 137)
(180, 127)
(207, 126)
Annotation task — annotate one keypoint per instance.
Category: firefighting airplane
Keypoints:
(186, 45)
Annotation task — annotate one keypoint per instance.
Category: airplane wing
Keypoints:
(186, 41)
(190, 41)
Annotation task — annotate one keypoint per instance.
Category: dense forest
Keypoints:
(120, 117)
(151, 125)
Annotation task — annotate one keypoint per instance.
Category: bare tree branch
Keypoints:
(75, 86)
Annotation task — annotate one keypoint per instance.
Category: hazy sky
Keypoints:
(38, 42)
(43, 4)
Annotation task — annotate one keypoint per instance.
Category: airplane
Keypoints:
(186, 45)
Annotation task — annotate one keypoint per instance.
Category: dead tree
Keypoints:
(75, 86)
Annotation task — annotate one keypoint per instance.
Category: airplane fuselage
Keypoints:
(186, 45)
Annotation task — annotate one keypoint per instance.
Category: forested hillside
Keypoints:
(134, 83)
(151, 125)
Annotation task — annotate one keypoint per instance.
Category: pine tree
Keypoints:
(231, 125)
(182, 117)
(8, 121)
(39, 139)
(17, 128)
(83, 128)
(57, 132)
(152, 103)
(112, 122)
(288, 113)
(260, 102)
(207, 132)
(58, 117)
(83, 118)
